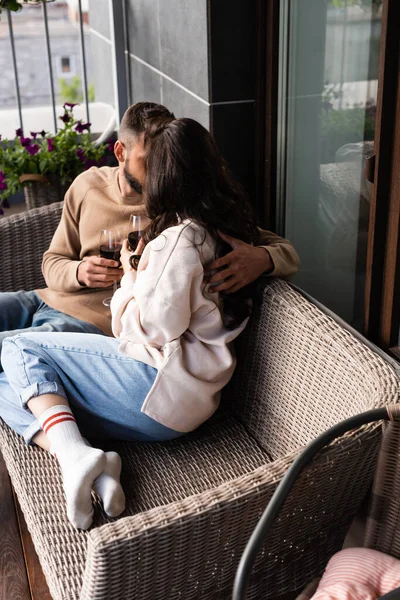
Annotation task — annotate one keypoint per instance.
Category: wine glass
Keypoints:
(110, 247)
(135, 230)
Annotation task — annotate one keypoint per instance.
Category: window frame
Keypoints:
(382, 289)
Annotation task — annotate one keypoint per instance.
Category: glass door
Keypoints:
(327, 106)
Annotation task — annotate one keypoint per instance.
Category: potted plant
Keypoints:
(44, 165)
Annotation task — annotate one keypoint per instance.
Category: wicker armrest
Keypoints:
(190, 548)
(23, 240)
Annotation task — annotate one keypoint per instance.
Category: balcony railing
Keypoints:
(118, 51)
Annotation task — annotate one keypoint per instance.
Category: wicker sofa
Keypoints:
(193, 503)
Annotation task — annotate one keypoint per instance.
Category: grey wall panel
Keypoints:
(183, 104)
(143, 30)
(99, 18)
(183, 41)
(171, 35)
(145, 83)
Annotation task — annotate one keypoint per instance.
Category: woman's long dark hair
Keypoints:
(187, 177)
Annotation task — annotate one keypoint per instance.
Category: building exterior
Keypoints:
(30, 45)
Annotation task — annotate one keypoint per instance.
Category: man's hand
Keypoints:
(238, 268)
(97, 272)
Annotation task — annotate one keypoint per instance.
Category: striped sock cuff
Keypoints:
(54, 416)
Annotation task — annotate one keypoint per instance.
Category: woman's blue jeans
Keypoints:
(105, 388)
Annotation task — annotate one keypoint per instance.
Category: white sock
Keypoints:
(108, 486)
(80, 464)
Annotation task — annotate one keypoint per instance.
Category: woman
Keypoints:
(163, 374)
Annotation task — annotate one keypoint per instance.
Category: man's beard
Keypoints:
(133, 182)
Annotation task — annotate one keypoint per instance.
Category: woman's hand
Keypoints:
(126, 253)
(124, 258)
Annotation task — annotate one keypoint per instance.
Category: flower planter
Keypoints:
(41, 162)
(39, 190)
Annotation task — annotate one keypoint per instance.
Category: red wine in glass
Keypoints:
(135, 225)
(110, 248)
(112, 253)
(133, 239)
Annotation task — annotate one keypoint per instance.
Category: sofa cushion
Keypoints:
(358, 573)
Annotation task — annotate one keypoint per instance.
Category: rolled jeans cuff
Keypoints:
(38, 389)
(31, 431)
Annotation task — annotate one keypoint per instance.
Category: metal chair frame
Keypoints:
(260, 533)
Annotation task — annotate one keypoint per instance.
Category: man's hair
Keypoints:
(139, 118)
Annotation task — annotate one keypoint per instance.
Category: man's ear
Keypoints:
(119, 151)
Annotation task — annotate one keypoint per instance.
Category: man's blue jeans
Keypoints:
(104, 387)
(25, 311)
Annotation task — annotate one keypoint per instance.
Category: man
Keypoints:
(78, 279)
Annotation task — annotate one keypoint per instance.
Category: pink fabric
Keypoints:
(358, 574)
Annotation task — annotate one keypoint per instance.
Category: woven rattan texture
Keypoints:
(193, 503)
(23, 239)
(39, 194)
(153, 474)
(190, 549)
(308, 373)
(383, 526)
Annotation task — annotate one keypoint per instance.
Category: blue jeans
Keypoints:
(105, 388)
(25, 311)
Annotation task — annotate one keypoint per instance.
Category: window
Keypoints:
(333, 187)
(66, 66)
(329, 111)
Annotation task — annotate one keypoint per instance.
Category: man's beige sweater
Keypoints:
(95, 202)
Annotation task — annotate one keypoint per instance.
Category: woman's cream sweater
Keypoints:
(166, 317)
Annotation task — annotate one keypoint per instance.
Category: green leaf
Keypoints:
(32, 167)
(12, 5)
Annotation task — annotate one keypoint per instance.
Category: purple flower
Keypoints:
(3, 184)
(19, 132)
(70, 105)
(50, 144)
(34, 134)
(110, 146)
(80, 128)
(66, 118)
(33, 149)
(43, 133)
(81, 154)
(25, 141)
(90, 163)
